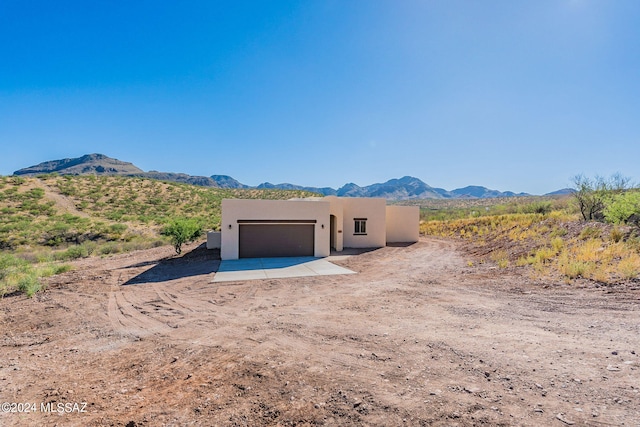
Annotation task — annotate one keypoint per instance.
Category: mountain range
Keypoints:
(395, 189)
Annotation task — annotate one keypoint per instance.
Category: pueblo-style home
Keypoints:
(312, 226)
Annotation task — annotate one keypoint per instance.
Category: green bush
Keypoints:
(181, 231)
(75, 252)
(29, 284)
(622, 207)
(19, 274)
(575, 269)
(592, 196)
(110, 248)
(542, 207)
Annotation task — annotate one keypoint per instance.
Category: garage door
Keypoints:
(262, 240)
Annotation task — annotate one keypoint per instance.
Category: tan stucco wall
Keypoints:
(214, 239)
(374, 211)
(403, 224)
(336, 209)
(241, 209)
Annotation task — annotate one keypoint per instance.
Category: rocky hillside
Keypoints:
(56, 212)
(88, 164)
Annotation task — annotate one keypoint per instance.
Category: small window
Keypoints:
(360, 226)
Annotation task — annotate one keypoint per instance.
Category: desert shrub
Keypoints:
(574, 269)
(557, 244)
(541, 207)
(633, 243)
(116, 230)
(89, 247)
(616, 235)
(115, 215)
(500, 257)
(51, 269)
(18, 180)
(9, 264)
(181, 231)
(591, 250)
(629, 268)
(29, 284)
(593, 195)
(17, 274)
(110, 248)
(558, 232)
(82, 250)
(590, 233)
(503, 263)
(622, 207)
(544, 254)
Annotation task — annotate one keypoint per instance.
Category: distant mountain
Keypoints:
(87, 164)
(404, 188)
(351, 190)
(325, 191)
(477, 192)
(561, 192)
(225, 181)
(203, 181)
(407, 187)
(394, 189)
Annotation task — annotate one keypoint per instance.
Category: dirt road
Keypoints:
(418, 337)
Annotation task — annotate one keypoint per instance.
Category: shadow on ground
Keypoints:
(401, 244)
(352, 251)
(200, 261)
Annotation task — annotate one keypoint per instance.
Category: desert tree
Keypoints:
(624, 208)
(182, 230)
(593, 194)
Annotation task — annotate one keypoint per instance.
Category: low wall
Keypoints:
(403, 224)
(214, 239)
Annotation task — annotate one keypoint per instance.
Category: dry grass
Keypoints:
(555, 244)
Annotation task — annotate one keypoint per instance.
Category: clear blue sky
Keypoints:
(512, 95)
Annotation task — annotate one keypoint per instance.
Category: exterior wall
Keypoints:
(403, 224)
(374, 211)
(241, 209)
(336, 209)
(214, 239)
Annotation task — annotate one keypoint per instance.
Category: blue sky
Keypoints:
(512, 95)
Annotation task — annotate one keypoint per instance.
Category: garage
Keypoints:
(276, 238)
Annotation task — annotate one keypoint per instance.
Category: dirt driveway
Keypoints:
(418, 337)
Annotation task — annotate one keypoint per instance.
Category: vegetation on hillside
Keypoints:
(182, 231)
(50, 219)
(549, 236)
(45, 221)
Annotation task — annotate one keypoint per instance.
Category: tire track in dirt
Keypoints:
(127, 318)
(418, 337)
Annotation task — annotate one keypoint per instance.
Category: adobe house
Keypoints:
(312, 226)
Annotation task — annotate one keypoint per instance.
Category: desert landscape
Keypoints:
(422, 335)
(470, 169)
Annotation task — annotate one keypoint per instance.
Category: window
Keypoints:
(360, 226)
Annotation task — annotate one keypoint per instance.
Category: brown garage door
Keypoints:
(276, 240)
